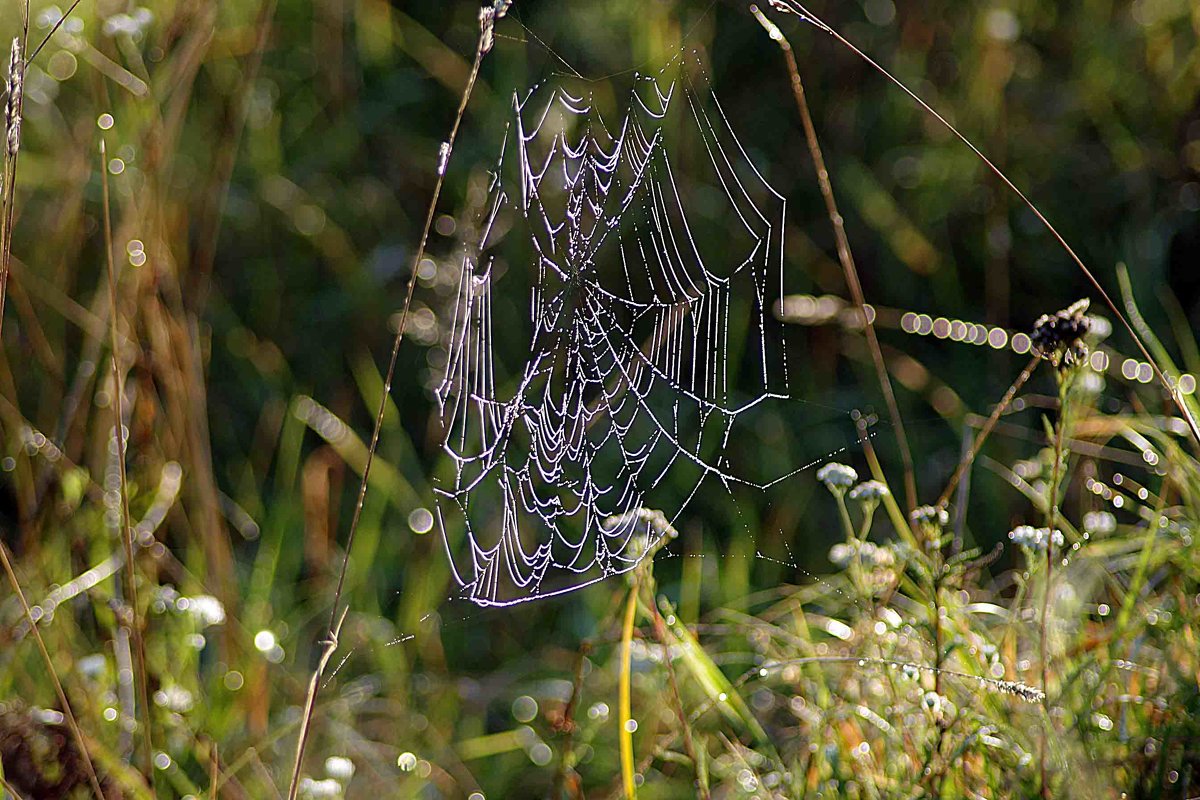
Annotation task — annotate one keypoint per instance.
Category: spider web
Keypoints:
(644, 347)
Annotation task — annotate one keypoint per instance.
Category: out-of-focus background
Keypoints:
(270, 164)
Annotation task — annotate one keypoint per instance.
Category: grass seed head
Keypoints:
(12, 106)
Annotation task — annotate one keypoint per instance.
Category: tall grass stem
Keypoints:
(845, 256)
(796, 8)
(330, 642)
(131, 594)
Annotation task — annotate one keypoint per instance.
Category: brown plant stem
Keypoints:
(8, 180)
(845, 256)
(795, 7)
(337, 613)
(1043, 641)
(986, 430)
(568, 726)
(131, 596)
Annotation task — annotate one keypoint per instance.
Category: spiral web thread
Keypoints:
(644, 350)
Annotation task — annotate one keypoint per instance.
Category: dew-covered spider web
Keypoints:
(644, 346)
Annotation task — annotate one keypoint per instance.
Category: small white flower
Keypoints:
(1035, 538)
(928, 515)
(840, 555)
(872, 555)
(320, 790)
(869, 492)
(339, 768)
(838, 477)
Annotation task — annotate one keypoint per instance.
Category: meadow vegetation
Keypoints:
(985, 586)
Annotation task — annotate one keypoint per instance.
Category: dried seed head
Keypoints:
(12, 106)
(487, 24)
(501, 7)
(1058, 337)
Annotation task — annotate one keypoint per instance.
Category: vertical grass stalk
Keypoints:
(845, 256)
(795, 7)
(131, 595)
(624, 704)
(13, 109)
(1056, 476)
(337, 615)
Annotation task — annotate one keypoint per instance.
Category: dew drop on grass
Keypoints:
(407, 762)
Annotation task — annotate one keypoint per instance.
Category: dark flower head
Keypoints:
(1058, 337)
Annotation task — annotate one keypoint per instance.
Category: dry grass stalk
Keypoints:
(15, 90)
(845, 256)
(795, 7)
(986, 431)
(131, 596)
(337, 614)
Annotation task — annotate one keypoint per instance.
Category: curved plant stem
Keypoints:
(845, 256)
(624, 706)
(337, 614)
(795, 7)
(1052, 513)
(131, 596)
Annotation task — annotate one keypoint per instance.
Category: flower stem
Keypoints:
(623, 700)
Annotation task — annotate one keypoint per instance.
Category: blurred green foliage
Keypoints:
(275, 162)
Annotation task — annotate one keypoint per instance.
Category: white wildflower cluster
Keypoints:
(872, 555)
(929, 515)
(1099, 523)
(327, 789)
(339, 768)
(652, 526)
(869, 492)
(655, 521)
(837, 477)
(1035, 538)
